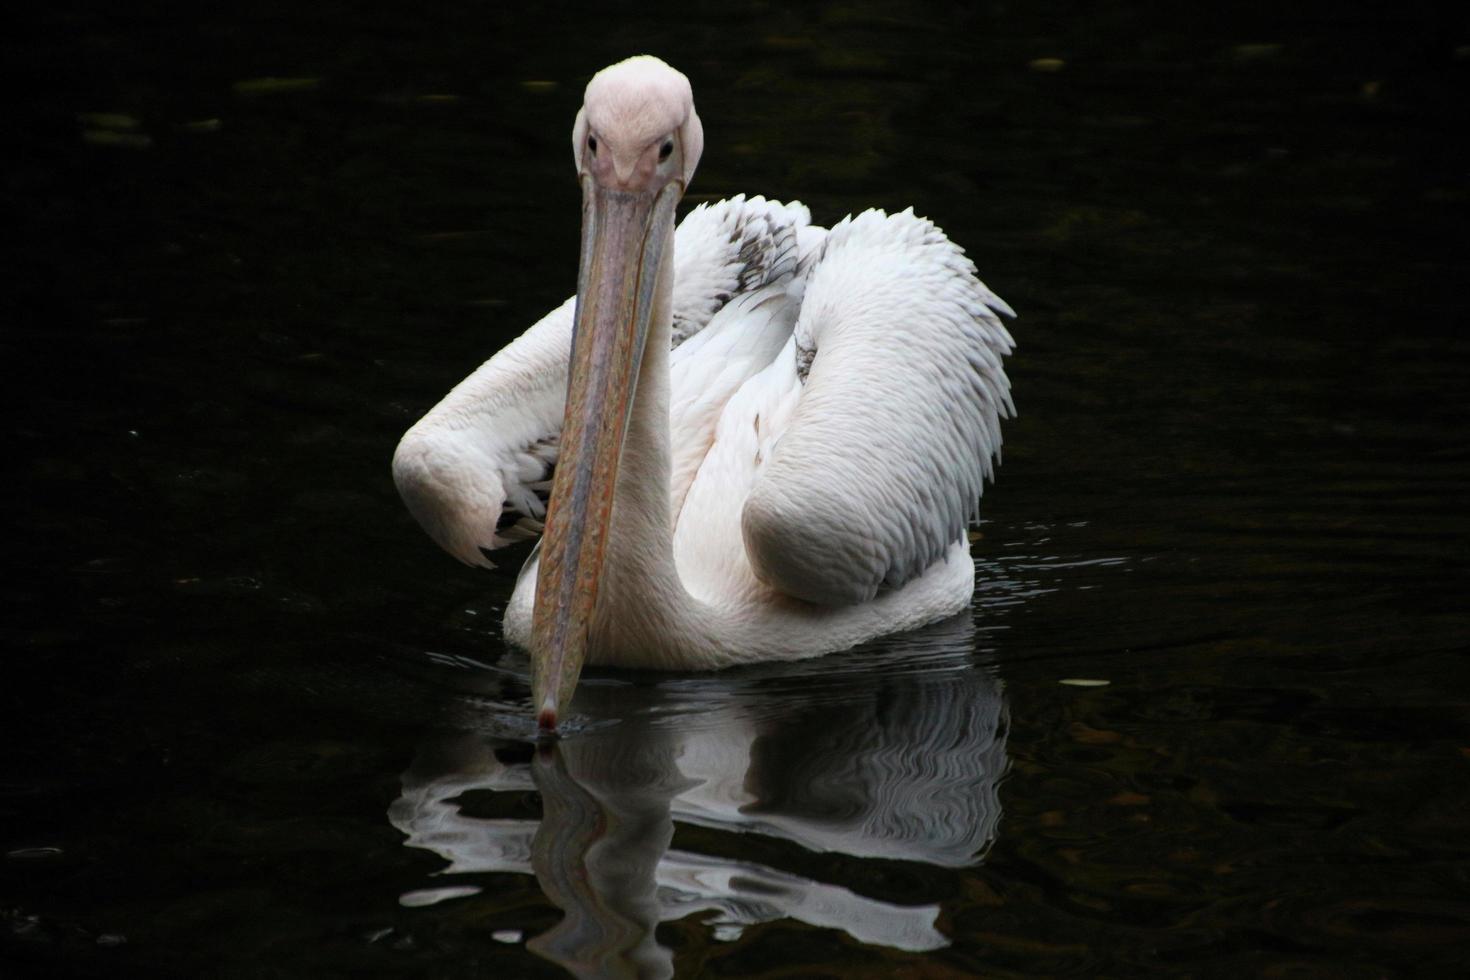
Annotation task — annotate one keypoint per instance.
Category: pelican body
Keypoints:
(763, 440)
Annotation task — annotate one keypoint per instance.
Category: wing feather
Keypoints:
(489, 446)
(898, 424)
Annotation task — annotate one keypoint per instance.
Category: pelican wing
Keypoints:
(484, 454)
(475, 471)
(898, 421)
(728, 249)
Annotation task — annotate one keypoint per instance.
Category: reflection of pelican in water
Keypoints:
(892, 754)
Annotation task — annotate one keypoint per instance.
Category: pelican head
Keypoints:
(636, 142)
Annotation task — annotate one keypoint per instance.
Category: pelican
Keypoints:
(763, 440)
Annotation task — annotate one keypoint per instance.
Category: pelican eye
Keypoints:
(666, 149)
(592, 144)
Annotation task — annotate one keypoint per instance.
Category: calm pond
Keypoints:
(1208, 715)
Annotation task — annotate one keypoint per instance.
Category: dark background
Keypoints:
(249, 245)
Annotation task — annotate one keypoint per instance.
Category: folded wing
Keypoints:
(881, 465)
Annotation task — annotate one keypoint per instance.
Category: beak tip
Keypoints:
(546, 717)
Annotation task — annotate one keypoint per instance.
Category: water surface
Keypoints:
(256, 725)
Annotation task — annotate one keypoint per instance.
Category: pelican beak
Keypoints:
(624, 237)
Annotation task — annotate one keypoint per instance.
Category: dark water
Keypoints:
(254, 724)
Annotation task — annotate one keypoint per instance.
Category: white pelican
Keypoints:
(769, 437)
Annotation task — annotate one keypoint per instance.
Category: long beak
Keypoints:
(624, 234)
